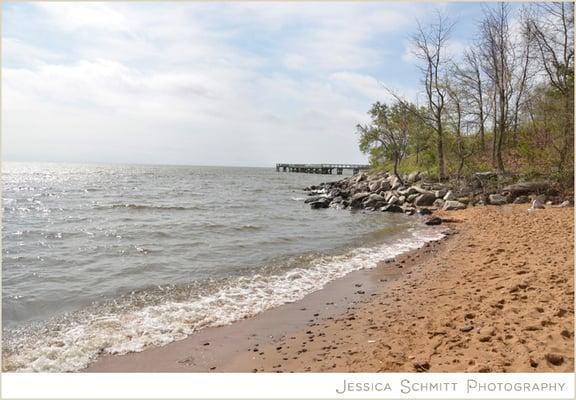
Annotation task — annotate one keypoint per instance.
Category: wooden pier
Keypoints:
(326, 169)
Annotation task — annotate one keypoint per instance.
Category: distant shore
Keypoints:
(495, 296)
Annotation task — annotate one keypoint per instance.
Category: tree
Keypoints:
(550, 29)
(498, 63)
(387, 134)
(430, 48)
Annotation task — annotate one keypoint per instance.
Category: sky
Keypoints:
(234, 83)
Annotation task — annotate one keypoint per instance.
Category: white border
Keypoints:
(284, 386)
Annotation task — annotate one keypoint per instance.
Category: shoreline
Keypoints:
(212, 349)
(479, 301)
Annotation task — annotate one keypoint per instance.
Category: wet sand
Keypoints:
(495, 295)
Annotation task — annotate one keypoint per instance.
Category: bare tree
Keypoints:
(550, 28)
(430, 48)
(472, 81)
(498, 63)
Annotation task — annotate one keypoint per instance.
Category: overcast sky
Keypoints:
(204, 83)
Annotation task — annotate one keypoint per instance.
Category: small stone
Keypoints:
(467, 328)
(421, 366)
(554, 359)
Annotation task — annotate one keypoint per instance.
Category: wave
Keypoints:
(148, 207)
(157, 318)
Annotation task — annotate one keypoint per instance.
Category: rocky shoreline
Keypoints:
(416, 194)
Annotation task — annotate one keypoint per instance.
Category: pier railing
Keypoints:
(321, 168)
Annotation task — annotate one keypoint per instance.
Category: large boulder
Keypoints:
(453, 205)
(425, 199)
(357, 199)
(374, 200)
(527, 188)
(392, 208)
(497, 199)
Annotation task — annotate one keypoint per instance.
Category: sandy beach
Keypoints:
(496, 295)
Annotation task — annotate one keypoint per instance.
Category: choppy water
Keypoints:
(111, 259)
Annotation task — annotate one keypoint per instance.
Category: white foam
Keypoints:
(78, 342)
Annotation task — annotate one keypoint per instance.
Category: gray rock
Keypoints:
(424, 211)
(536, 204)
(374, 187)
(392, 208)
(412, 197)
(521, 200)
(449, 196)
(440, 193)
(453, 205)
(438, 203)
(413, 177)
(374, 200)
(357, 199)
(497, 199)
(541, 198)
(393, 200)
(564, 204)
(527, 187)
(395, 183)
(425, 199)
(409, 210)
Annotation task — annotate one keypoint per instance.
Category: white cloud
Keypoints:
(187, 82)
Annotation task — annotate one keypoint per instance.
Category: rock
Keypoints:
(408, 191)
(424, 211)
(449, 196)
(536, 205)
(409, 211)
(412, 197)
(395, 183)
(554, 359)
(425, 199)
(467, 328)
(423, 191)
(374, 187)
(527, 188)
(357, 199)
(541, 198)
(497, 199)
(413, 177)
(421, 366)
(392, 208)
(401, 199)
(564, 204)
(374, 200)
(314, 198)
(453, 205)
(393, 200)
(322, 203)
(440, 193)
(438, 203)
(434, 221)
(521, 200)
